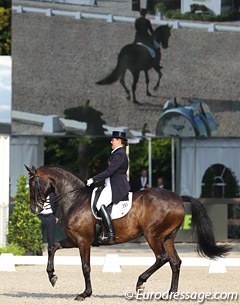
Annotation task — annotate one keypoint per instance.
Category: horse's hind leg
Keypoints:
(161, 259)
(65, 243)
(174, 261)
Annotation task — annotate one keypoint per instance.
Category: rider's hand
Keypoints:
(89, 182)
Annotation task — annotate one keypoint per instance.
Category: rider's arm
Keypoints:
(113, 166)
(150, 27)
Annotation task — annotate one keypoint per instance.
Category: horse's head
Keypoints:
(40, 188)
(162, 34)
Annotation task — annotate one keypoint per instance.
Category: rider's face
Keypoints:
(115, 143)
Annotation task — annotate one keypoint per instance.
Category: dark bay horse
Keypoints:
(156, 213)
(136, 58)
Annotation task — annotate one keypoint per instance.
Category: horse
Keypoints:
(136, 57)
(156, 213)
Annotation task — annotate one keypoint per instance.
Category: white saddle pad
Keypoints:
(118, 210)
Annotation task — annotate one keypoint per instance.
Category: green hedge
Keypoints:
(14, 249)
(24, 226)
(5, 31)
(176, 14)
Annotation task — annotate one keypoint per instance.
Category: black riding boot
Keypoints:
(107, 221)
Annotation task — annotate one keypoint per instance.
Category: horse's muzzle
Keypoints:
(37, 208)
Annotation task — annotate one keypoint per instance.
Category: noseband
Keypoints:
(38, 199)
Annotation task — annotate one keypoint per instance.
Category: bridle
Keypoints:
(38, 199)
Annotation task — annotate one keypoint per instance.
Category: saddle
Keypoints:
(151, 51)
(116, 210)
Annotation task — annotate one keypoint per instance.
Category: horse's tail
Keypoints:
(119, 70)
(203, 231)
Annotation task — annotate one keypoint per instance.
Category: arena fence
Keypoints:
(176, 24)
(113, 262)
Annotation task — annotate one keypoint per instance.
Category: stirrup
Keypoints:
(103, 238)
(110, 238)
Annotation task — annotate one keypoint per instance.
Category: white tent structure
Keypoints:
(5, 130)
(4, 187)
(197, 155)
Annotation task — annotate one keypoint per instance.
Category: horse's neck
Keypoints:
(65, 183)
(68, 197)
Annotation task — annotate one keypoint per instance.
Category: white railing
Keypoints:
(176, 24)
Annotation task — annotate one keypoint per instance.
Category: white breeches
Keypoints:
(105, 196)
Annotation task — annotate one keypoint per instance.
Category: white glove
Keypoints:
(89, 182)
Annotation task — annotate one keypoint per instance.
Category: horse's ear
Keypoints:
(30, 170)
(27, 168)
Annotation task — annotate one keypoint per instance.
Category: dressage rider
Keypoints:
(144, 30)
(116, 185)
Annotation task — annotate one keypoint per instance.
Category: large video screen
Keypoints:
(61, 65)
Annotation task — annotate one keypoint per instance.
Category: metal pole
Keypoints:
(128, 171)
(150, 162)
(194, 167)
(173, 164)
(178, 153)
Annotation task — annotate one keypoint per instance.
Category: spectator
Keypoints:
(49, 219)
(161, 183)
(142, 182)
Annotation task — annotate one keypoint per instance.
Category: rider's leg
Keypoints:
(104, 200)
(107, 221)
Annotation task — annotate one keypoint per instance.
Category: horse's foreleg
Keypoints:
(84, 249)
(158, 70)
(134, 86)
(65, 243)
(122, 82)
(147, 83)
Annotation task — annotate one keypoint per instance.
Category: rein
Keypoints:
(61, 196)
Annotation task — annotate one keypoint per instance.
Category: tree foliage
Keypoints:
(161, 159)
(5, 27)
(24, 226)
(84, 156)
(88, 156)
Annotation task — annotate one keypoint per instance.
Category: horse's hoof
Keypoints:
(53, 280)
(80, 297)
(128, 97)
(141, 287)
(136, 102)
